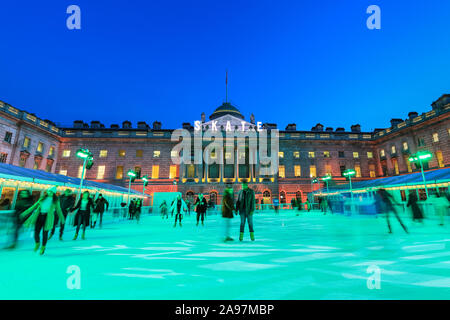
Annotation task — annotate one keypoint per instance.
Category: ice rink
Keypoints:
(310, 256)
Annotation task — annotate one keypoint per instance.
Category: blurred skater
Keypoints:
(227, 211)
(163, 208)
(416, 210)
(66, 201)
(24, 202)
(383, 202)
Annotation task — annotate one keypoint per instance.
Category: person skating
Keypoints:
(85, 207)
(276, 205)
(66, 202)
(441, 206)
(132, 209)
(100, 205)
(383, 201)
(246, 206)
(412, 202)
(43, 217)
(227, 211)
(324, 205)
(138, 209)
(24, 202)
(163, 208)
(178, 206)
(200, 206)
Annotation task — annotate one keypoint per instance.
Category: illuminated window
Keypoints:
(326, 154)
(440, 159)
(435, 137)
(103, 153)
(328, 169)
(119, 172)
(156, 153)
(372, 171)
(174, 154)
(395, 165)
(63, 172)
(242, 155)
(66, 153)
(26, 142)
(369, 154)
(358, 171)
(214, 155)
(311, 154)
(155, 172)
(355, 155)
(227, 155)
(281, 172)
(138, 172)
(296, 154)
(191, 171)
(122, 153)
(393, 150)
(312, 171)
(405, 146)
(139, 153)
(40, 147)
(297, 171)
(101, 172)
(173, 172)
(51, 151)
(281, 155)
(408, 163)
(382, 154)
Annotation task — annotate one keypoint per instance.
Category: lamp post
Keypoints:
(419, 157)
(145, 179)
(132, 176)
(326, 179)
(86, 155)
(349, 173)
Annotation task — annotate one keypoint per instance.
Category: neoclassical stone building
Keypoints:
(303, 154)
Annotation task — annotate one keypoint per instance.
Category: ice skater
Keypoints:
(66, 202)
(200, 206)
(383, 201)
(163, 208)
(85, 207)
(43, 217)
(178, 206)
(246, 206)
(24, 202)
(100, 205)
(227, 211)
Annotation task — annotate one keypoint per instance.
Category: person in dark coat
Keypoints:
(100, 205)
(246, 206)
(66, 202)
(132, 209)
(412, 202)
(383, 201)
(24, 201)
(227, 211)
(200, 206)
(85, 207)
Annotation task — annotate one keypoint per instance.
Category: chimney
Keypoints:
(412, 115)
(291, 127)
(78, 124)
(156, 125)
(395, 122)
(340, 129)
(95, 124)
(187, 126)
(142, 125)
(114, 126)
(126, 124)
(355, 128)
(329, 129)
(377, 130)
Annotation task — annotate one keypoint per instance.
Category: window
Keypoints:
(22, 161)
(138, 172)
(63, 172)
(122, 153)
(393, 150)
(80, 171)
(328, 169)
(119, 172)
(296, 154)
(405, 146)
(372, 171)
(191, 171)
(8, 137)
(312, 171)
(155, 172)
(173, 172)
(214, 155)
(40, 147)
(311, 154)
(242, 155)
(51, 151)
(26, 142)
(281, 172)
(355, 155)
(369, 154)
(435, 137)
(101, 172)
(3, 157)
(227, 155)
(395, 165)
(139, 153)
(103, 153)
(420, 142)
(408, 163)
(156, 153)
(326, 154)
(297, 171)
(36, 164)
(48, 166)
(341, 154)
(281, 155)
(440, 159)
(358, 171)
(174, 154)
(66, 153)
(382, 154)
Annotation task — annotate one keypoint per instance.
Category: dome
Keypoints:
(224, 109)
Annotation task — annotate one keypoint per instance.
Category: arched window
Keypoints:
(213, 197)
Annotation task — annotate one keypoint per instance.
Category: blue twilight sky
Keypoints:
(289, 61)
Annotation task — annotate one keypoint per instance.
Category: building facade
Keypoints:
(302, 155)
